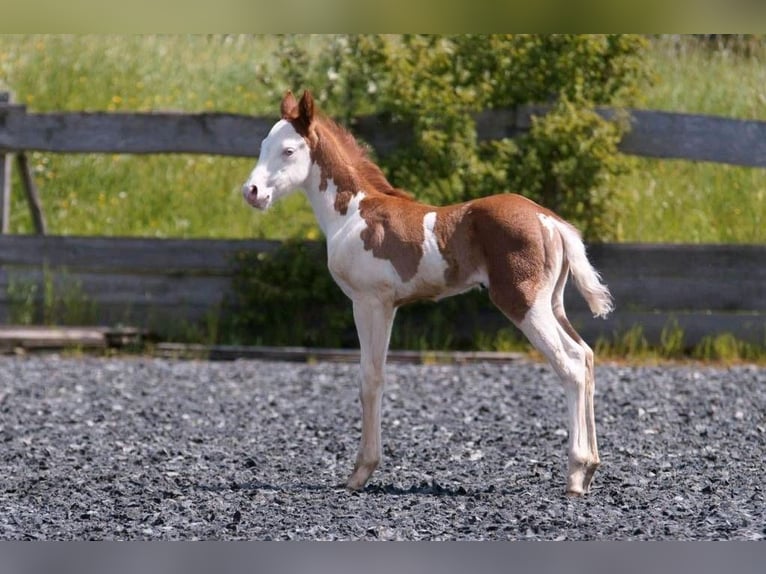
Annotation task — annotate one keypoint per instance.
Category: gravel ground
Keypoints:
(142, 448)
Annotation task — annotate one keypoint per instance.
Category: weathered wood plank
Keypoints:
(678, 293)
(665, 259)
(680, 277)
(164, 321)
(155, 282)
(308, 354)
(128, 255)
(138, 133)
(127, 289)
(33, 197)
(658, 134)
(696, 137)
(653, 133)
(5, 192)
(35, 337)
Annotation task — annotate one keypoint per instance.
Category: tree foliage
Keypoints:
(436, 84)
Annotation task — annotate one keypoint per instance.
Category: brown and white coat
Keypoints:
(385, 249)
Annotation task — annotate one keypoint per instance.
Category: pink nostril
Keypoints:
(253, 190)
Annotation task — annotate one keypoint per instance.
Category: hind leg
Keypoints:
(594, 460)
(572, 363)
(590, 379)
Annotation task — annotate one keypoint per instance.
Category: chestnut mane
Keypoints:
(345, 152)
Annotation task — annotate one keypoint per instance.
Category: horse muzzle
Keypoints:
(255, 199)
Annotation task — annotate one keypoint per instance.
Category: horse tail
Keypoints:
(586, 278)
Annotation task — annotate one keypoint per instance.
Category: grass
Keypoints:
(722, 348)
(697, 202)
(673, 201)
(198, 196)
(156, 195)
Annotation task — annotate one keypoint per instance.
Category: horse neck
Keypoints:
(322, 194)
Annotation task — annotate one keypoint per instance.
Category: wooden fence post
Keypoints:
(33, 198)
(5, 177)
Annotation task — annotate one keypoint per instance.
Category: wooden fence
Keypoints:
(169, 285)
(164, 284)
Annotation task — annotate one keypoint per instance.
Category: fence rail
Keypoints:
(653, 133)
(167, 285)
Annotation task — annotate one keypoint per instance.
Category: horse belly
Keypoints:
(358, 270)
(431, 282)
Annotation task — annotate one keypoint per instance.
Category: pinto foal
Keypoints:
(385, 249)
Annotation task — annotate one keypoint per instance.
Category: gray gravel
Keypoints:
(141, 448)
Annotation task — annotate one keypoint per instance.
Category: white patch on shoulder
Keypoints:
(429, 222)
(430, 245)
(432, 264)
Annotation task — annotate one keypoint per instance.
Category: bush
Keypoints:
(435, 84)
(288, 298)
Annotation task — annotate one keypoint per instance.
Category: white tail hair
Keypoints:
(586, 278)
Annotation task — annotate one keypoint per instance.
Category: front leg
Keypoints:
(373, 320)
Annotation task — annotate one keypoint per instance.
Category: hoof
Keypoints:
(580, 478)
(354, 485)
(359, 478)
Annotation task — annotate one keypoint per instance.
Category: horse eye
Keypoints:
(288, 151)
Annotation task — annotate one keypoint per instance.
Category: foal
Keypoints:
(385, 249)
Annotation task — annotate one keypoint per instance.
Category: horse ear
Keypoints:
(289, 108)
(306, 108)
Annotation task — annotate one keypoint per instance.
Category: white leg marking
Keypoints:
(373, 323)
(572, 362)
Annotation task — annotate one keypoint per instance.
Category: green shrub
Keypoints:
(289, 298)
(435, 85)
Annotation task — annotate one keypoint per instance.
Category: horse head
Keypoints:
(284, 162)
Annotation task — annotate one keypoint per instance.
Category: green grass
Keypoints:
(684, 202)
(633, 346)
(198, 196)
(697, 202)
(690, 77)
(154, 195)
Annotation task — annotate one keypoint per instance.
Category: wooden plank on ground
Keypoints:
(35, 337)
(311, 354)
